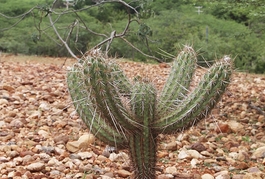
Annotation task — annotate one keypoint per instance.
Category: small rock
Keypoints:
(3, 159)
(162, 154)
(207, 176)
(12, 154)
(254, 176)
(102, 158)
(235, 126)
(184, 176)
(2, 124)
(54, 162)
(44, 107)
(74, 156)
(171, 170)
(222, 173)
(170, 146)
(259, 153)
(3, 102)
(233, 155)
(198, 147)
(238, 176)
(108, 174)
(183, 154)
(85, 155)
(61, 139)
(195, 154)
(35, 167)
(222, 128)
(119, 157)
(55, 173)
(241, 165)
(123, 173)
(253, 170)
(165, 176)
(105, 177)
(82, 143)
(44, 134)
(24, 153)
(48, 149)
(194, 162)
(16, 123)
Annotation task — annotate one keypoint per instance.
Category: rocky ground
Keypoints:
(41, 136)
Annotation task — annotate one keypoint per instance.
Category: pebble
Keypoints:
(35, 167)
(122, 156)
(85, 155)
(81, 143)
(222, 175)
(171, 170)
(3, 102)
(198, 147)
(165, 176)
(259, 153)
(61, 139)
(207, 176)
(170, 146)
(235, 126)
(123, 173)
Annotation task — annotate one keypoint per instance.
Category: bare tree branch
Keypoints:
(138, 50)
(64, 42)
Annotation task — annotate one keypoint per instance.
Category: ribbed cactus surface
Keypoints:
(131, 115)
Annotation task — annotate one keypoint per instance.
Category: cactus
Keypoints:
(131, 115)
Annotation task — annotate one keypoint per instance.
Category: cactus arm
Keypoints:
(107, 99)
(199, 102)
(142, 145)
(86, 111)
(177, 84)
(120, 80)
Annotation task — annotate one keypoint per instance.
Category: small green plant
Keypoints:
(132, 115)
(246, 138)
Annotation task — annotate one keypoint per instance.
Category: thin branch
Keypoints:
(59, 36)
(138, 50)
(257, 108)
(95, 5)
(88, 29)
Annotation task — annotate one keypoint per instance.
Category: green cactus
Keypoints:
(131, 115)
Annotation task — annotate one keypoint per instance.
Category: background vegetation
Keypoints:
(224, 27)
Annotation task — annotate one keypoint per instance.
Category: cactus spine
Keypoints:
(131, 116)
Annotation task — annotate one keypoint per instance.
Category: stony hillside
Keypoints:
(41, 136)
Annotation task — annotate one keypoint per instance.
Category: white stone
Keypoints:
(207, 176)
(3, 102)
(44, 106)
(82, 143)
(194, 162)
(85, 155)
(183, 154)
(195, 154)
(233, 155)
(171, 170)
